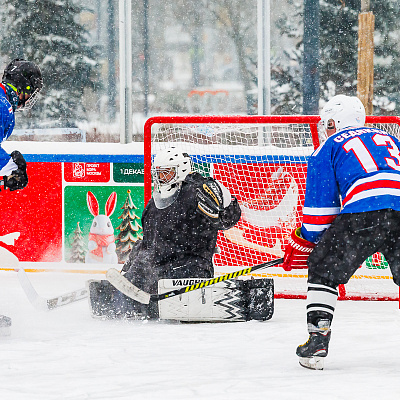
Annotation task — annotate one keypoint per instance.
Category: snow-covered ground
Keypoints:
(65, 354)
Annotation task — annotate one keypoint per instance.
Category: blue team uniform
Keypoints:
(7, 122)
(355, 170)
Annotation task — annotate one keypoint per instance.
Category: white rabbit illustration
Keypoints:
(101, 237)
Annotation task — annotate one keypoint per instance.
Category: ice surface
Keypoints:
(65, 354)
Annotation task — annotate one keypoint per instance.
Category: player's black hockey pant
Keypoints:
(346, 244)
(350, 240)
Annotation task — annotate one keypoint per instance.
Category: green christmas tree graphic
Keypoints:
(130, 229)
(77, 248)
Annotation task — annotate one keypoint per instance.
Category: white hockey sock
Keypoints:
(321, 298)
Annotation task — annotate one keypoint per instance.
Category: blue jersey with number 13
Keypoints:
(355, 170)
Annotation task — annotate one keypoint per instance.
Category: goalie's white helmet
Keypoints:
(170, 168)
(346, 111)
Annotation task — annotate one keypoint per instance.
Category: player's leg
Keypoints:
(145, 277)
(106, 302)
(194, 266)
(227, 301)
(344, 246)
(391, 247)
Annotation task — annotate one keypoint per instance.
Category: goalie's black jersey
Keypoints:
(178, 241)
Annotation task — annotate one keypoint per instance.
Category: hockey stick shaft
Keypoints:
(9, 260)
(130, 290)
(44, 304)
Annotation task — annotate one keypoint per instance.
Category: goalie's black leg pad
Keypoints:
(259, 298)
(106, 302)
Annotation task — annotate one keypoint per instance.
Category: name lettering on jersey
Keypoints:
(350, 134)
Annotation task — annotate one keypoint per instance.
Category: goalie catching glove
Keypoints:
(297, 252)
(18, 179)
(212, 198)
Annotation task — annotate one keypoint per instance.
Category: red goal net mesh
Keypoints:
(263, 162)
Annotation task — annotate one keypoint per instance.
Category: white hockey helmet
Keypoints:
(170, 168)
(346, 111)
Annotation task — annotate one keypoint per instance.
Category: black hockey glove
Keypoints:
(210, 200)
(18, 178)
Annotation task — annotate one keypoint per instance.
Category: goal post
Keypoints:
(263, 162)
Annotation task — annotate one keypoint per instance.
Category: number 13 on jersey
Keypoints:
(365, 158)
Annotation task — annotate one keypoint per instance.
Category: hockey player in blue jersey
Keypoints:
(21, 82)
(351, 210)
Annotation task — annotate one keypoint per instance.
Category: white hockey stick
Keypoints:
(44, 304)
(10, 261)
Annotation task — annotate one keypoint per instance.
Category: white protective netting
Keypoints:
(264, 166)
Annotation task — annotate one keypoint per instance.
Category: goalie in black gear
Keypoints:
(180, 228)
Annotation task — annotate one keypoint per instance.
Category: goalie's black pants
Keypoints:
(346, 244)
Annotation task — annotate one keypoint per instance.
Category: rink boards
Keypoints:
(53, 220)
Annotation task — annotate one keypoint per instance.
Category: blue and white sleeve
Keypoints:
(322, 200)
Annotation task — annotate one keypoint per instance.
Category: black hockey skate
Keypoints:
(5, 326)
(313, 352)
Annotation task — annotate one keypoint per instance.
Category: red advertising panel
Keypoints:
(86, 172)
(35, 213)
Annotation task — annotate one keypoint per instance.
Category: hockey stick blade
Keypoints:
(132, 291)
(43, 304)
(126, 287)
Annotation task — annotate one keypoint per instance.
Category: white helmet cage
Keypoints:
(173, 161)
(346, 111)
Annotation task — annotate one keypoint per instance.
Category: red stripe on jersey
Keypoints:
(318, 219)
(380, 184)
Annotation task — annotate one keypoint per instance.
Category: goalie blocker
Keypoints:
(233, 300)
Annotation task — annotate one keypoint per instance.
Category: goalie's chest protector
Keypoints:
(179, 233)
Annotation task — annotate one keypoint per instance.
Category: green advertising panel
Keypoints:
(128, 172)
(125, 218)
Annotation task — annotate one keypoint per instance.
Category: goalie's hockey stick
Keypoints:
(44, 304)
(132, 291)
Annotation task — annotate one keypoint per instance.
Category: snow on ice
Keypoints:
(65, 354)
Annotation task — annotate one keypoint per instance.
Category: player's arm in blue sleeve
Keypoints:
(322, 200)
(6, 124)
(4, 160)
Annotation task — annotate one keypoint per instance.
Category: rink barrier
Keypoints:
(36, 197)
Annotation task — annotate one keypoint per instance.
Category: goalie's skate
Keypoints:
(313, 352)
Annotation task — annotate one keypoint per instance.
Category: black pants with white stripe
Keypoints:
(348, 242)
